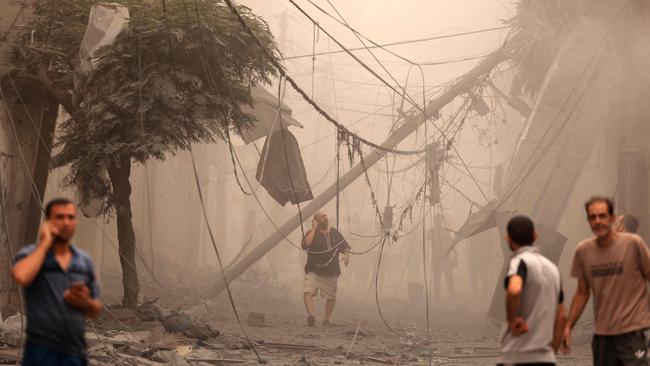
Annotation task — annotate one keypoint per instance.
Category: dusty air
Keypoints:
(324, 182)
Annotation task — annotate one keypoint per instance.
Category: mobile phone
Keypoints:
(78, 284)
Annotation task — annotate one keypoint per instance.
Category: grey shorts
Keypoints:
(629, 349)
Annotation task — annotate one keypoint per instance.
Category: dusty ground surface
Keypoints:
(457, 336)
(462, 338)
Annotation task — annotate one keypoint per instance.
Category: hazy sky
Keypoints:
(348, 92)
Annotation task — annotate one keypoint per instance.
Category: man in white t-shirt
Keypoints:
(534, 301)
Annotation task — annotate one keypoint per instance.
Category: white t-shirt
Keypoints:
(541, 294)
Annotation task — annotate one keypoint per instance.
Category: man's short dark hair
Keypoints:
(631, 223)
(60, 201)
(594, 199)
(521, 230)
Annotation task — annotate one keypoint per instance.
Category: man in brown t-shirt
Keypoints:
(615, 267)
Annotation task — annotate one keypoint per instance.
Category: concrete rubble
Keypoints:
(209, 334)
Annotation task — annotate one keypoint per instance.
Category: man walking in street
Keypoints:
(534, 301)
(60, 290)
(615, 267)
(323, 245)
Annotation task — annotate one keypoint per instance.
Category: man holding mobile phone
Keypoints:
(323, 245)
(60, 290)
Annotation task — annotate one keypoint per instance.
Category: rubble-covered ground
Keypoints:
(178, 332)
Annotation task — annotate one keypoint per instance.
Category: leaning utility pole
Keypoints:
(462, 85)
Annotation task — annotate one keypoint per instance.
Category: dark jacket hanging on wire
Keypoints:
(283, 175)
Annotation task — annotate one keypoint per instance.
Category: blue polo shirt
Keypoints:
(51, 322)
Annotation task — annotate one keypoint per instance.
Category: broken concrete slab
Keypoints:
(177, 322)
(12, 329)
(150, 311)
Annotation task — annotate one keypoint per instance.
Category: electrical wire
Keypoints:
(21, 343)
(216, 250)
(36, 195)
(397, 42)
(370, 70)
(344, 130)
(403, 95)
(529, 165)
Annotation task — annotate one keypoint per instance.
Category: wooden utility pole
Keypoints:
(461, 86)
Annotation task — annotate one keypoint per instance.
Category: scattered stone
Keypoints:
(409, 357)
(202, 354)
(10, 329)
(131, 349)
(256, 319)
(122, 338)
(125, 317)
(155, 332)
(150, 311)
(177, 322)
(183, 349)
(424, 351)
(161, 356)
(213, 345)
(201, 332)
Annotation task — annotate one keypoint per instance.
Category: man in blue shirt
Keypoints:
(60, 290)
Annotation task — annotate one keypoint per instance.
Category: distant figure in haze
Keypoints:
(534, 301)
(626, 224)
(615, 267)
(443, 259)
(60, 290)
(480, 257)
(323, 245)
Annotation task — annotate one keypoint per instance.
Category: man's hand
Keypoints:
(314, 225)
(518, 326)
(566, 340)
(26, 269)
(78, 295)
(46, 234)
(346, 258)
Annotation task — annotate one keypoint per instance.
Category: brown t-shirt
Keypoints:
(617, 276)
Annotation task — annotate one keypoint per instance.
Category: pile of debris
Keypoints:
(150, 335)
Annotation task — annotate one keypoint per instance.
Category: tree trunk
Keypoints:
(42, 168)
(119, 173)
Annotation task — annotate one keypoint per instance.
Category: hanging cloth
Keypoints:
(276, 172)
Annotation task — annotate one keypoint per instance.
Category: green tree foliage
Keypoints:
(177, 76)
(174, 78)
